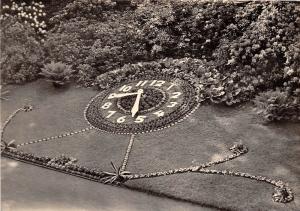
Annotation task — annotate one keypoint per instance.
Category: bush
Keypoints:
(94, 47)
(58, 73)
(98, 10)
(260, 53)
(291, 75)
(30, 12)
(276, 105)
(181, 29)
(99, 37)
(21, 53)
(212, 85)
(185, 68)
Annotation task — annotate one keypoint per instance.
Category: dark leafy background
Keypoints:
(234, 52)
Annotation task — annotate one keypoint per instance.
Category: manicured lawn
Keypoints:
(204, 136)
(49, 190)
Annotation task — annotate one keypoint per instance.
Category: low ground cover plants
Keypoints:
(235, 52)
(58, 73)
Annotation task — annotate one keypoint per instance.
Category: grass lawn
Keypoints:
(274, 149)
(49, 190)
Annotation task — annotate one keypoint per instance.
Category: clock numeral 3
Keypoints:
(176, 94)
(172, 104)
(159, 113)
(121, 119)
(140, 119)
(106, 105)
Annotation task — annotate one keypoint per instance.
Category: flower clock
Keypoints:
(142, 105)
(136, 106)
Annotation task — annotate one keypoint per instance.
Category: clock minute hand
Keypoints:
(136, 105)
(121, 95)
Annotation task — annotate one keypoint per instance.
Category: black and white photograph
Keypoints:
(150, 105)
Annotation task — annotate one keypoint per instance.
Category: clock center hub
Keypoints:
(151, 99)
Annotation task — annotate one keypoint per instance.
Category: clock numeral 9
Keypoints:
(172, 104)
(140, 119)
(157, 83)
(106, 105)
(176, 94)
(121, 119)
(159, 113)
(111, 96)
(125, 88)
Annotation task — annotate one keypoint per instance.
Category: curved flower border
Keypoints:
(68, 165)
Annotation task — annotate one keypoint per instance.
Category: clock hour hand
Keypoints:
(136, 105)
(114, 95)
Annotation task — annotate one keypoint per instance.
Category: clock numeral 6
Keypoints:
(159, 113)
(125, 88)
(176, 94)
(172, 104)
(121, 119)
(140, 119)
(106, 105)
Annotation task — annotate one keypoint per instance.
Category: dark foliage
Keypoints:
(247, 48)
(21, 53)
(29, 12)
(276, 105)
(95, 41)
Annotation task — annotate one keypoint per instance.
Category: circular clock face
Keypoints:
(140, 106)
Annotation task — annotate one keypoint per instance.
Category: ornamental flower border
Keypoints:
(282, 192)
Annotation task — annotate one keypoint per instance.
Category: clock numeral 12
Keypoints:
(157, 83)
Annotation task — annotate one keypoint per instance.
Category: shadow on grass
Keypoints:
(202, 204)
